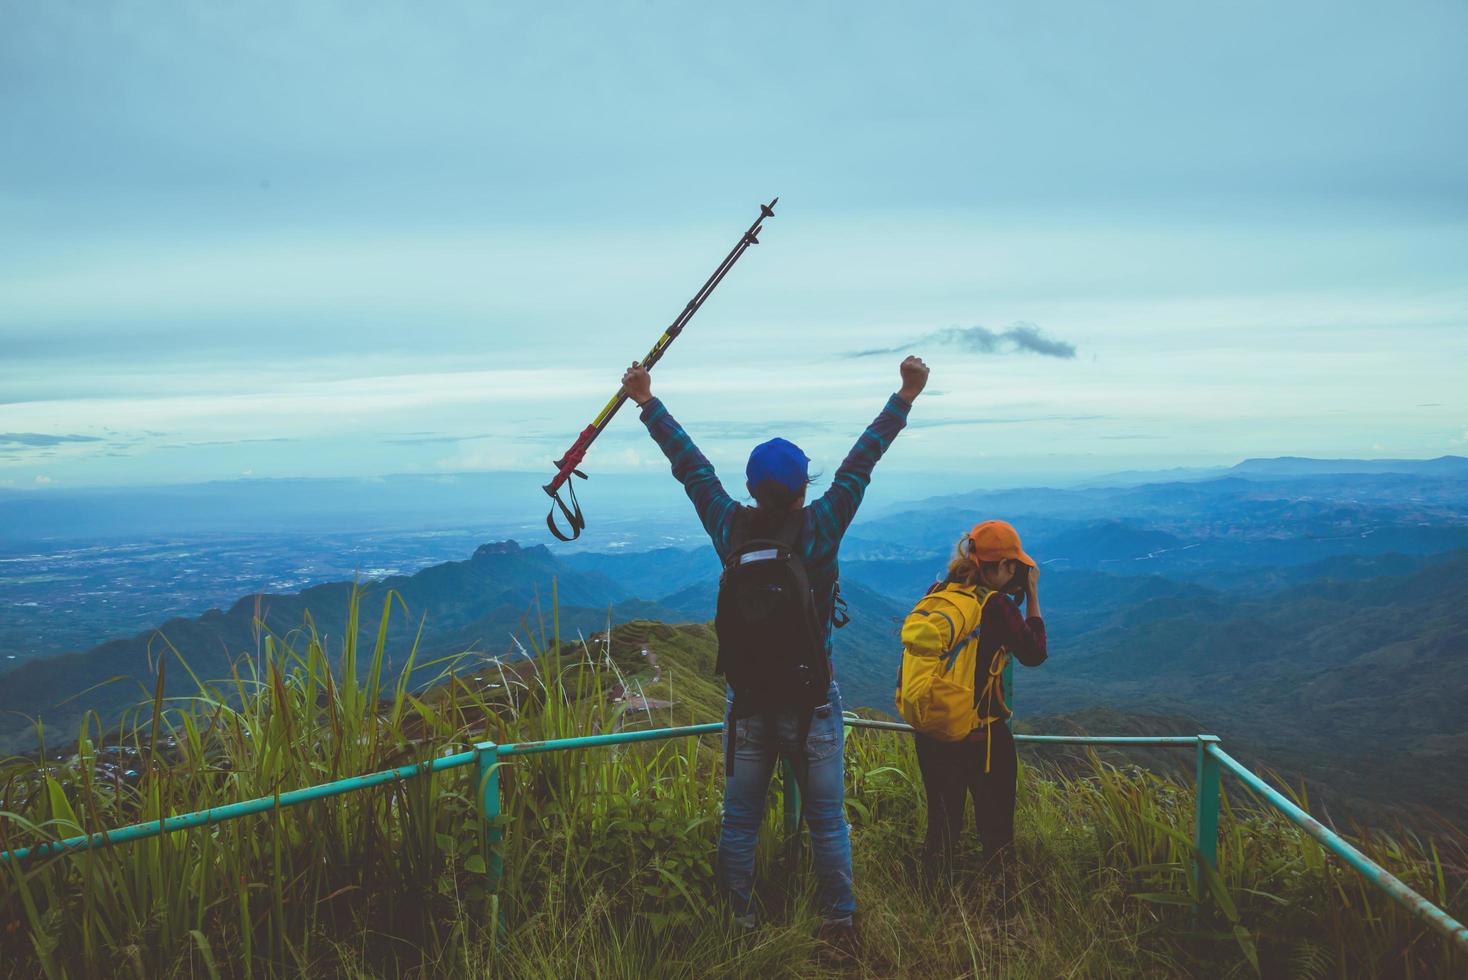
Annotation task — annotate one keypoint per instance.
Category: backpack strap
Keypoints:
(789, 536)
(839, 616)
(992, 688)
(790, 529)
(952, 654)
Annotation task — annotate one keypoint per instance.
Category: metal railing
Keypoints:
(1211, 760)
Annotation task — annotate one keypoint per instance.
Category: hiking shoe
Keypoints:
(837, 946)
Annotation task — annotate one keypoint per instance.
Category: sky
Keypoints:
(355, 239)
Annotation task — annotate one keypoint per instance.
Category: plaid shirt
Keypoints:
(826, 520)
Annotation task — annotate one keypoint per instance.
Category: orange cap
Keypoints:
(993, 540)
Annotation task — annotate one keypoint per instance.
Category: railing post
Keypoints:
(792, 803)
(1205, 821)
(489, 811)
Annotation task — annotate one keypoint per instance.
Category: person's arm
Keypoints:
(836, 508)
(691, 468)
(1002, 626)
(1032, 595)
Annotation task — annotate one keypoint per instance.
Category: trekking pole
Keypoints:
(567, 465)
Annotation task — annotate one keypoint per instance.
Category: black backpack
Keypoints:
(772, 649)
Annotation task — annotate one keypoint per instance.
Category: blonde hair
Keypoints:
(964, 568)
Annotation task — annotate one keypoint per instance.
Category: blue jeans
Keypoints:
(758, 743)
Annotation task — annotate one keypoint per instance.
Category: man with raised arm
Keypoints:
(777, 477)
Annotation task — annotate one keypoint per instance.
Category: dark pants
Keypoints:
(952, 771)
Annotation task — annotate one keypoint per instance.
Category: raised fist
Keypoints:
(914, 378)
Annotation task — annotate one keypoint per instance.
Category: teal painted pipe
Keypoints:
(852, 721)
(791, 786)
(1206, 791)
(230, 811)
(613, 738)
(1157, 741)
(1375, 873)
(487, 754)
(1154, 741)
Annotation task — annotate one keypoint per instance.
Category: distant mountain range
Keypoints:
(1318, 617)
(1448, 467)
(1286, 466)
(633, 508)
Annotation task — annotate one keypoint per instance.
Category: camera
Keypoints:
(1017, 584)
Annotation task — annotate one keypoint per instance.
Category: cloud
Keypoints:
(1020, 338)
(1009, 420)
(430, 438)
(759, 431)
(225, 442)
(41, 439)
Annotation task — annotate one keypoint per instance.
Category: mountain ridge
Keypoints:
(472, 604)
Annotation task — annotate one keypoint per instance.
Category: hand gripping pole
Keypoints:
(569, 464)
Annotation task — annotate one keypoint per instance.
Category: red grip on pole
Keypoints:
(567, 464)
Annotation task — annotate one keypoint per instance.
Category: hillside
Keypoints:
(608, 853)
(1363, 680)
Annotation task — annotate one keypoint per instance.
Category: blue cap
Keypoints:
(781, 461)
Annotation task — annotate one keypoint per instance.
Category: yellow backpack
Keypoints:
(940, 643)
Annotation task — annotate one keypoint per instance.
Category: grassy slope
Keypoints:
(1363, 680)
(608, 868)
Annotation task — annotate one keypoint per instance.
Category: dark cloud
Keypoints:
(1019, 338)
(40, 439)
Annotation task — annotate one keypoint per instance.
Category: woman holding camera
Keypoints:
(957, 642)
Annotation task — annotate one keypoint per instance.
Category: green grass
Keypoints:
(608, 853)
